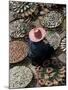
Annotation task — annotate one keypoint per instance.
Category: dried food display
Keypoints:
(52, 20)
(22, 9)
(17, 51)
(51, 76)
(48, 19)
(20, 76)
(63, 44)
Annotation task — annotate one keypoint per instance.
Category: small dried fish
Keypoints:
(49, 70)
(61, 75)
(55, 82)
(22, 9)
(48, 83)
(63, 44)
(46, 76)
(52, 74)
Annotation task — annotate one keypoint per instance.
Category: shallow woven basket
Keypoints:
(20, 76)
(18, 50)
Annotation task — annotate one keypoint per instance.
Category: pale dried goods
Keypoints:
(20, 76)
(52, 20)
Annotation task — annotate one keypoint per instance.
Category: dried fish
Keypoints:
(55, 82)
(49, 70)
(22, 9)
(63, 44)
(52, 76)
(48, 83)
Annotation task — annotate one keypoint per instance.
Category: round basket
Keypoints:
(52, 20)
(18, 50)
(20, 76)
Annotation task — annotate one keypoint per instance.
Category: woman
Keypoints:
(39, 51)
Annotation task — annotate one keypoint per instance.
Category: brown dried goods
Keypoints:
(17, 51)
